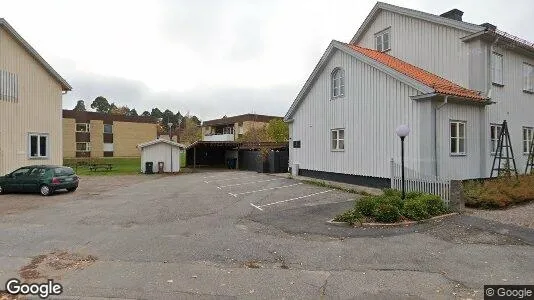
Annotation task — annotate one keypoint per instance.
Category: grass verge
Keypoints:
(121, 166)
(336, 187)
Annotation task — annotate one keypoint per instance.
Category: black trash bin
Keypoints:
(149, 167)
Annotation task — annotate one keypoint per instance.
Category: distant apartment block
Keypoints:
(232, 128)
(93, 134)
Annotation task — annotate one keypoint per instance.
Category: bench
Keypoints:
(105, 167)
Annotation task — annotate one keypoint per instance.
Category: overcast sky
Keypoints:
(208, 57)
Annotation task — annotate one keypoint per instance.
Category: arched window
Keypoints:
(338, 83)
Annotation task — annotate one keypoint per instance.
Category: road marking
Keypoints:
(217, 180)
(268, 189)
(232, 195)
(249, 182)
(292, 199)
(256, 206)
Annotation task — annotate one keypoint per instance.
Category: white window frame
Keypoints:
(338, 83)
(456, 139)
(105, 128)
(39, 154)
(528, 132)
(528, 78)
(87, 147)
(87, 127)
(495, 131)
(497, 68)
(337, 139)
(380, 45)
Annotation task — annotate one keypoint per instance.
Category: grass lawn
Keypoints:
(121, 166)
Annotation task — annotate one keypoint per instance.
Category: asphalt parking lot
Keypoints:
(226, 234)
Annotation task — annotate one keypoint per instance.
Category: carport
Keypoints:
(216, 154)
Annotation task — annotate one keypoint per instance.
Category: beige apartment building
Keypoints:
(232, 128)
(30, 105)
(93, 134)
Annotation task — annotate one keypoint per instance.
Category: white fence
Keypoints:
(416, 182)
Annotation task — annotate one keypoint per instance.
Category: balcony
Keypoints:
(224, 137)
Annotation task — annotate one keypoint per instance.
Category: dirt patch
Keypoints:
(252, 264)
(54, 265)
(6, 296)
(90, 188)
(464, 234)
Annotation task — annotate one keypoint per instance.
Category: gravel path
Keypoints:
(522, 215)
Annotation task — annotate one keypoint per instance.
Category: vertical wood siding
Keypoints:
(432, 47)
(512, 104)
(38, 108)
(373, 106)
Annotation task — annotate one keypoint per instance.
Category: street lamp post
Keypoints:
(170, 138)
(403, 131)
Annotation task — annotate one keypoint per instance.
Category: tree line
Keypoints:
(185, 126)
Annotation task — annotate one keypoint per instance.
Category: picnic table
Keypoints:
(105, 167)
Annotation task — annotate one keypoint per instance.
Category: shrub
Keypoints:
(387, 213)
(394, 200)
(435, 206)
(350, 216)
(500, 192)
(392, 192)
(367, 205)
(415, 209)
(413, 195)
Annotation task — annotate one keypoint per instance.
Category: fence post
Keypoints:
(392, 170)
(456, 196)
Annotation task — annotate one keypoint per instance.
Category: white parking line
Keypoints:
(262, 190)
(292, 199)
(248, 182)
(227, 179)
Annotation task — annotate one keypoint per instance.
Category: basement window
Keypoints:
(382, 41)
(338, 139)
(457, 137)
(38, 145)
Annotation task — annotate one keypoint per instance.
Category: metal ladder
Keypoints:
(530, 159)
(504, 143)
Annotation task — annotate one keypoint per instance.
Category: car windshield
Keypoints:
(63, 171)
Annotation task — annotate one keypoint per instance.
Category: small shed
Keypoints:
(161, 151)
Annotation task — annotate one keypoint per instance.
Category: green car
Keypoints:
(43, 179)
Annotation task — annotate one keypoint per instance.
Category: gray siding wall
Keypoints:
(373, 106)
(514, 105)
(432, 47)
(467, 166)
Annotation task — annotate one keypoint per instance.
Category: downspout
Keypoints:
(436, 165)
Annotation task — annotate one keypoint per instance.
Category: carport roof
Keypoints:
(241, 145)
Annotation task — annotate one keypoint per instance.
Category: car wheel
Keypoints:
(1, 190)
(71, 189)
(45, 190)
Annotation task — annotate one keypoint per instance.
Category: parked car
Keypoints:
(39, 179)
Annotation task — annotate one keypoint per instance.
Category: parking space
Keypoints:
(268, 192)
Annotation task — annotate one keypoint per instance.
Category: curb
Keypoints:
(399, 224)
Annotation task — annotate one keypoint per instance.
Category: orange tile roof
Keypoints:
(439, 84)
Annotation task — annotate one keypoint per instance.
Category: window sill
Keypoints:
(38, 158)
(458, 154)
(337, 97)
(528, 92)
(338, 150)
(497, 84)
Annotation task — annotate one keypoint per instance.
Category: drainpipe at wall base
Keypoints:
(436, 164)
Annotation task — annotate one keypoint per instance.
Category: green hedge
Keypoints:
(390, 207)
